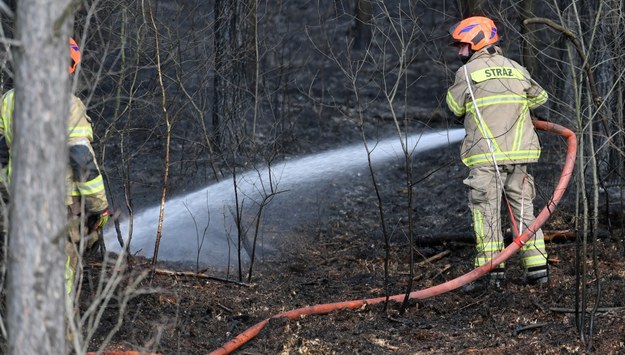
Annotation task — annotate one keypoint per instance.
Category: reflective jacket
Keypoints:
(504, 92)
(83, 174)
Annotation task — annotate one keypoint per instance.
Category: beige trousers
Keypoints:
(73, 246)
(485, 201)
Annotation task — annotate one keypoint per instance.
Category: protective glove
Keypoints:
(101, 220)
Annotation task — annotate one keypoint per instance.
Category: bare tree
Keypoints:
(36, 293)
(168, 124)
(587, 93)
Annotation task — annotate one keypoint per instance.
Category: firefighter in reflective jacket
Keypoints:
(494, 95)
(85, 188)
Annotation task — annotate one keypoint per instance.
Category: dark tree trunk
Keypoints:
(528, 10)
(361, 30)
(234, 60)
(472, 7)
(220, 47)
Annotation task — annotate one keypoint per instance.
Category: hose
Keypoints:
(545, 213)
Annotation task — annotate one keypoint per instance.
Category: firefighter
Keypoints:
(86, 197)
(493, 96)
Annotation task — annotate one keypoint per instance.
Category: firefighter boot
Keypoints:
(494, 280)
(537, 275)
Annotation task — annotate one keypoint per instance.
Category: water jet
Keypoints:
(204, 220)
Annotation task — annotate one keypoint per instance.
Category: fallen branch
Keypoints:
(569, 234)
(538, 305)
(434, 257)
(553, 261)
(420, 276)
(589, 310)
(481, 299)
(187, 274)
(528, 327)
(559, 235)
(383, 343)
(227, 309)
(440, 272)
(199, 276)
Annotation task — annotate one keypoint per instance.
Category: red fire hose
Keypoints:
(450, 285)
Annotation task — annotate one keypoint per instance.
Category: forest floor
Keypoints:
(342, 258)
(340, 255)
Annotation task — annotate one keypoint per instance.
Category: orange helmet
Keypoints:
(477, 31)
(74, 53)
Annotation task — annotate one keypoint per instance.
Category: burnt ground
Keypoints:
(341, 257)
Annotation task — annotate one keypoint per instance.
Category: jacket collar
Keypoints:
(486, 51)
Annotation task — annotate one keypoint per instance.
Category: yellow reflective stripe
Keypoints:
(535, 260)
(491, 250)
(502, 157)
(483, 127)
(75, 191)
(485, 131)
(69, 276)
(490, 247)
(478, 226)
(493, 244)
(5, 110)
(533, 244)
(496, 100)
(90, 187)
(81, 131)
(5, 122)
(518, 134)
(453, 105)
(8, 105)
(483, 261)
(492, 100)
(538, 100)
(496, 73)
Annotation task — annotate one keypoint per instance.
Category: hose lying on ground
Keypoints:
(545, 213)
